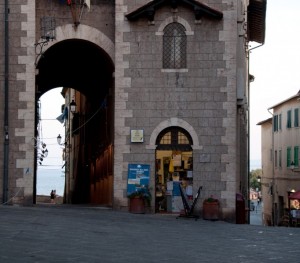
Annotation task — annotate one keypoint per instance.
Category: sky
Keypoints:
(51, 103)
(275, 66)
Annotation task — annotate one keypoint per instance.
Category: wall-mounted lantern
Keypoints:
(73, 106)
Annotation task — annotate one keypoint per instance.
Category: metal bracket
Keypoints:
(39, 49)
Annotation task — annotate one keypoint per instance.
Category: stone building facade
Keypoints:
(280, 160)
(161, 66)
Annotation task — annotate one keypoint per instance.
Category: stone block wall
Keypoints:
(202, 98)
(203, 95)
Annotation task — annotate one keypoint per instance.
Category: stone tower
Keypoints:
(174, 73)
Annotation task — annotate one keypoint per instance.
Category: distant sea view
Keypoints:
(54, 179)
(255, 164)
(50, 179)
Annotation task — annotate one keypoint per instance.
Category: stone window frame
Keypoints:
(174, 137)
(188, 32)
(174, 122)
(174, 46)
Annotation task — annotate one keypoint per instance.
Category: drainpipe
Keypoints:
(6, 83)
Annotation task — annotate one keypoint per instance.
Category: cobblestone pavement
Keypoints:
(256, 215)
(60, 233)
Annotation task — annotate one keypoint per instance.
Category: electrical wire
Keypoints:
(103, 105)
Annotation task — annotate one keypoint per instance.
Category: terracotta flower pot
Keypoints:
(211, 210)
(137, 205)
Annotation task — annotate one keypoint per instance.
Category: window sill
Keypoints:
(171, 70)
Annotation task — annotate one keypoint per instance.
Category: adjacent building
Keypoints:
(280, 137)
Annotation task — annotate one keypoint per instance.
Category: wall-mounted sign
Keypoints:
(137, 135)
(138, 177)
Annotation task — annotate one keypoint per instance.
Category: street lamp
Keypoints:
(258, 179)
(73, 106)
(59, 139)
(77, 8)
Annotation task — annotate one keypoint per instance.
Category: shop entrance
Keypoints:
(174, 166)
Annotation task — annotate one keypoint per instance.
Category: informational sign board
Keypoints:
(138, 177)
(137, 135)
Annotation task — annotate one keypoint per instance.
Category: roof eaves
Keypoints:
(265, 121)
(148, 9)
(257, 20)
(284, 101)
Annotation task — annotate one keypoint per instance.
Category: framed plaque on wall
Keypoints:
(137, 136)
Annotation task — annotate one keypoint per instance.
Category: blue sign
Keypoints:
(138, 177)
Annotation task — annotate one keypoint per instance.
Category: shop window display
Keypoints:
(173, 168)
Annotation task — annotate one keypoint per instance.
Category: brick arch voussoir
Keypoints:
(173, 122)
(84, 32)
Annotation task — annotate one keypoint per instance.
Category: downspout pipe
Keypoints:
(6, 89)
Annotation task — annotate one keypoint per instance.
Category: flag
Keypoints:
(87, 4)
(66, 112)
(60, 118)
(64, 116)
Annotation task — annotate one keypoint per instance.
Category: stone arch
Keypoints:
(172, 19)
(174, 122)
(87, 33)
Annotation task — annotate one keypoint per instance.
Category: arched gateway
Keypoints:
(77, 62)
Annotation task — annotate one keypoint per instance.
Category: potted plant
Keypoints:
(139, 199)
(211, 208)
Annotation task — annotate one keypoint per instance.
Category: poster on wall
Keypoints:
(138, 177)
(177, 160)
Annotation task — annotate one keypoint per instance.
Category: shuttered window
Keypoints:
(289, 119)
(288, 157)
(296, 118)
(296, 156)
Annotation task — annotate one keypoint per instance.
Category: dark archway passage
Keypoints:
(85, 72)
(77, 64)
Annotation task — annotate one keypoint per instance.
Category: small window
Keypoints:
(289, 119)
(174, 46)
(296, 118)
(296, 156)
(279, 122)
(288, 156)
(279, 159)
(275, 158)
(275, 123)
